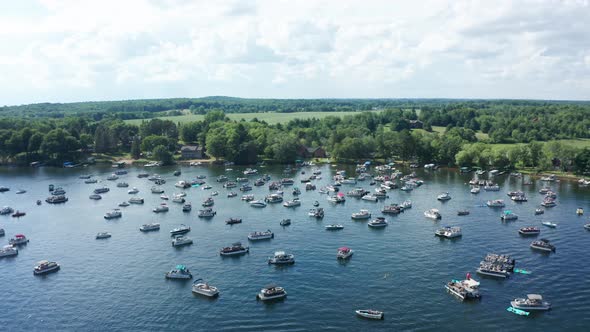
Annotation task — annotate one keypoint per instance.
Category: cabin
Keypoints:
(307, 152)
(191, 152)
(416, 124)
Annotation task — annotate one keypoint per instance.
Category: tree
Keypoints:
(162, 154)
(136, 147)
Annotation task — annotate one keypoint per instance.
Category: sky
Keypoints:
(78, 50)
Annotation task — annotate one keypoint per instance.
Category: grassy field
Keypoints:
(271, 118)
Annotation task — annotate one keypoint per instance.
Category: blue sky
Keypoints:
(66, 50)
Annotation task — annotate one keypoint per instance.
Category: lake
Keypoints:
(119, 284)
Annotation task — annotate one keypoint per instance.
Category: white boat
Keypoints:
(292, 203)
(122, 185)
(433, 214)
(89, 181)
(406, 205)
(157, 190)
(549, 224)
(116, 213)
(444, 197)
(133, 191)
(203, 288)
(548, 203)
(254, 236)
(6, 210)
(164, 197)
(531, 302)
(475, 190)
(273, 198)
(124, 204)
(271, 292)
(492, 271)
(494, 187)
(232, 194)
(44, 267)
(56, 199)
(257, 204)
(136, 200)
(339, 198)
(182, 184)
(370, 197)
(282, 258)
(113, 177)
(579, 211)
(179, 272)
(103, 235)
(316, 213)
(182, 229)
(543, 245)
(149, 227)
(508, 216)
(334, 227)
(8, 250)
(181, 241)
(249, 198)
(495, 203)
(377, 223)
(95, 197)
(235, 249)
(344, 253)
(206, 213)
(529, 231)
(369, 313)
(161, 208)
(362, 214)
(449, 232)
(18, 239)
(465, 289)
(178, 199)
(187, 207)
(587, 226)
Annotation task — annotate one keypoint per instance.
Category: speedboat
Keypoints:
(187, 207)
(362, 214)
(203, 288)
(157, 190)
(549, 224)
(508, 215)
(465, 289)
(182, 184)
(18, 239)
(370, 197)
(112, 177)
(232, 194)
(548, 202)
(369, 313)
(271, 292)
(182, 229)
(232, 221)
(273, 198)
(285, 222)
(254, 236)
(249, 198)
(44, 267)
(526, 231)
(235, 249)
(56, 199)
(316, 213)
(8, 251)
(444, 197)
(124, 204)
(449, 232)
(281, 258)
(475, 190)
(103, 235)
(587, 226)
(334, 227)
(116, 213)
(206, 187)
(161, 208)
(337, 198)
(543, 245)
(178, 199)
(539, 211)
(133, 191)
(495, 203)
(433, 214)
(18, 214)
(95, 197)
(181, 241)
(257, 204)
(344, 253)
(531, 302)
(21, 191)
(164, 197)
(579, 211)
(179, 272)
(150, 227)
(206, 213)
(136, 200)
(6, 210)
(377, 223)
(292, 203)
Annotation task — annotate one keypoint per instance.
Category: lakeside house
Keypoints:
(191, 152)
(416, 124)
(308, 152)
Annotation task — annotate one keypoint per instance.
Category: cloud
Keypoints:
(72, 50)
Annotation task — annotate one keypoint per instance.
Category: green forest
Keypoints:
(484, 133)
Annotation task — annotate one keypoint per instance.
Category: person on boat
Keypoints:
(468, 276)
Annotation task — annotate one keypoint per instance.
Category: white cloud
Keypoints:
(80, 50)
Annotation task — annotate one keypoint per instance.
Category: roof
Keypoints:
(344, 248)
(189, 148)
(534, 297)
(180, 267)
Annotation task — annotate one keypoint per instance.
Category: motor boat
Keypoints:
(475, 190)
(549, 224)
(20, 191)
(273, 198)
(587, 226)
(19, 239)
(230, 184)
(136, 200)
(232, 194)
(334, 227)
(543, 245)
(285, 222)
(178, 199)
(444, 197)
(150, 227)
(157, 190)
(203, 288)
(377, 223)
(392, 209)
(250, 171)
(206, 213)
(44, 267)
(187, 207)
(292, 203)
(6, 210)
(296, 191)
(508, 216)
(370, 198)
(339, 198)
(531, 302)
(271, 292)
(493, 187)
(248, 198)
(466, 289)
(124, 204)
(344, 253)
(245, 187)
(449, 232)
(257, 204)
(206, 187)
(95, 197)
(539, 211)
(179, 272)
(161, 208)
(492, 270)
(56, 199)
(208, 202)
(8, 250)
(369, 313)
(100, 190)
(181, 241)
(112, 177)
(221, 178)
(548, 203)
(18, 214)
(254, 236)
(316, 213)
(177, 173)
(433, 214)
(232, 221)
(282, 258)
(103, 235)
(362, 214)
(495, 203)
(182, 184)
(164, 197)
(133, 191)
(59, 191)
(463, 212)
(182, 229)
(579, 211)
(116, 213)
(528, 231)
(357, 192)
(122, 185)
(235, 249)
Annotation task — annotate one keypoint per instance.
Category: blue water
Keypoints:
(118, 283)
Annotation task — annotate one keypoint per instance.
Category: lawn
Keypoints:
(270, 117)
